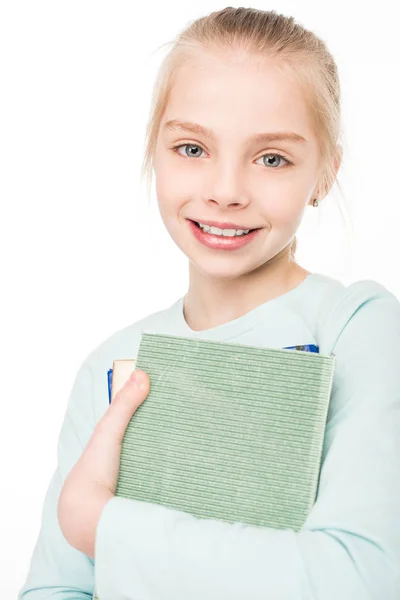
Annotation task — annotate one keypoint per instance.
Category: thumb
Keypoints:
(126, 402)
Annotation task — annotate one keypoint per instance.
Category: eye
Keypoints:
(270, 159)
(191, 146)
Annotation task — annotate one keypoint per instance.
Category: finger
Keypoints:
(122, 408)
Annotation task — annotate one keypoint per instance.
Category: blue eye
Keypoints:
(196, 146)
(274, 155)
(191, 155)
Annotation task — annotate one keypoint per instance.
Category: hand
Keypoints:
(92, 481)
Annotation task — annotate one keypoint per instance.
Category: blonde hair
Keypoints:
(262, 34)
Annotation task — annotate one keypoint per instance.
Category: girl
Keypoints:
(243, 136)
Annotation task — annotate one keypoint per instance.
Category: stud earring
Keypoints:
(315, 203)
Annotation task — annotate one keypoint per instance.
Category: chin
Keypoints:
(226, 268)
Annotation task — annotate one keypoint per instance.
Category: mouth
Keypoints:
(217, 241)
(244, 228)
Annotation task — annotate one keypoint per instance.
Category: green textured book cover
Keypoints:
(228, 431)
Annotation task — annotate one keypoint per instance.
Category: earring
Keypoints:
(315, 203)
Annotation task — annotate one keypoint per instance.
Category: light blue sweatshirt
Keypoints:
(349, 547)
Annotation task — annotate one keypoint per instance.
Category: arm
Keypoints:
(349, 547)
(57, 570)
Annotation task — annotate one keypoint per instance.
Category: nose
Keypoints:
(225, 203)
(226, 189)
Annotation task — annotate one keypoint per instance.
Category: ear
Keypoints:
(323, 189)
(338, 159)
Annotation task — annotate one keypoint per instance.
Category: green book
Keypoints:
(228, 431)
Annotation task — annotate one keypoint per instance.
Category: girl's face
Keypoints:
(222, 172)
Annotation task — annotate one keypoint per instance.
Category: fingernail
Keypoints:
(137, 378)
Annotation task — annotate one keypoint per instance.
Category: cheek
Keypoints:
(166, 189)
(170, 181)
(175, 187)
(170, 199)
(284, 195)
(178, 176)
(285, 210)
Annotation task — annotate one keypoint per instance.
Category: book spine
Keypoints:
(109, 380)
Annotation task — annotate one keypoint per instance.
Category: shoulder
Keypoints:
(122, 344)
(361, 308)
(350, 298)
(125, 342)
(362, 329)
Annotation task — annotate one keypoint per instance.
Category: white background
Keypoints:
(83, 254)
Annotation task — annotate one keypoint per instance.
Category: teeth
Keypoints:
(223, 232)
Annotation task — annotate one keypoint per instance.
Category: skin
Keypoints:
(227, 179)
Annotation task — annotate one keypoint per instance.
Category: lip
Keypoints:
(223, 225)
(217, 242)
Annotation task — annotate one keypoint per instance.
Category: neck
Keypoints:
(210, 301)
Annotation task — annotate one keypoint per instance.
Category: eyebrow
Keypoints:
(290, 136)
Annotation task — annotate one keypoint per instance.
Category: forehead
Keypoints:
(235, 91)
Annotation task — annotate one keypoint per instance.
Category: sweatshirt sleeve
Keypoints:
(349, 547)
(57, 570)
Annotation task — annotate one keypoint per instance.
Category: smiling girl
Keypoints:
(243, 137)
